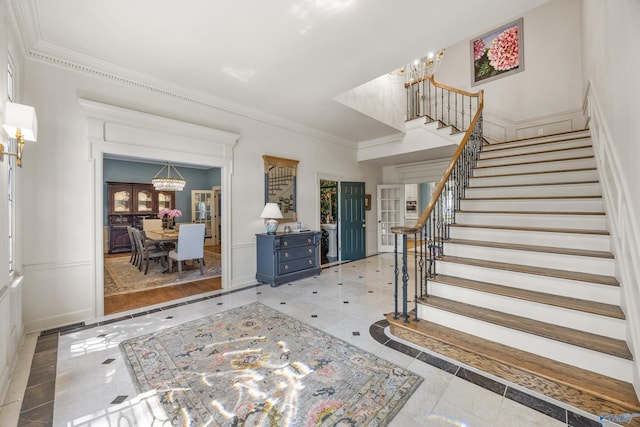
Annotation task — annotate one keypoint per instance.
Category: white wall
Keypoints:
(11, 322)
(59, 256)
(611, 37)
(548, 94)
(383, 98)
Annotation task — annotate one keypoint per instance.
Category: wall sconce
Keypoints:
(271, 212)
(20, 122)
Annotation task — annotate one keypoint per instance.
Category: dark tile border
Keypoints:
(377, 331)
(38, 401)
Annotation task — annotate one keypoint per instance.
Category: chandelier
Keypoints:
(420, 68)
(168, 183)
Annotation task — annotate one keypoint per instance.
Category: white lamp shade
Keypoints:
(23, 118)
(271, 211)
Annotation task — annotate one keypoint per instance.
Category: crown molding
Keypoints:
(26, 18)
(48, 53)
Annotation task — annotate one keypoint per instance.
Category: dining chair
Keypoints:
(190, 247)
(134, 247)
(152, 224)
(148, 250)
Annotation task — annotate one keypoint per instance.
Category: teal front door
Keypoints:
(352, 222)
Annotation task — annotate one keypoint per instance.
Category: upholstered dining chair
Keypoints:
(148, 250)
(190, 247)
(152, 224)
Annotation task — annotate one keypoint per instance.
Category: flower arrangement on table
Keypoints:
(168, 216)
(171, 213)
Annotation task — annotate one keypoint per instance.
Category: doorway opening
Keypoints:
(129, 201)
(329, 221)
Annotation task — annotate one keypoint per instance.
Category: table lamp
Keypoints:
(270, 212)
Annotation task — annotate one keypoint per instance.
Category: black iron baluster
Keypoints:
(405, 279)
(395, 271)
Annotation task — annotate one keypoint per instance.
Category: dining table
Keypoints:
(162, 236)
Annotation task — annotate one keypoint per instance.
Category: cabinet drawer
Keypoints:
(290, 241)
(295, 265)
(295, 253)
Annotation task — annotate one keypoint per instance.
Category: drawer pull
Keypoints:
(310, 262)
(310, 250)
(308, 240)
(286, 267)
(286, 254)
(285, 243)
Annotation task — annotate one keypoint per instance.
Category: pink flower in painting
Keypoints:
(478, 48)
(503, 53)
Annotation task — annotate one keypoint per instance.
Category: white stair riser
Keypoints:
(537, 157)
(604, 364)
(560, 165)
(537, 205)
(580, 222)
(538, 238)
(583, 264)
(545, 138)
(533, 148)
(587, 322)
(550, 285)
(559, 190)
(537, 178)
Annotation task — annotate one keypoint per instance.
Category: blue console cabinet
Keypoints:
(283, 257)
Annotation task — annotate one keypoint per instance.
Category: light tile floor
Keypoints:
(343, 301)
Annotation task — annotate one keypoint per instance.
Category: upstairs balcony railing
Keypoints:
(438, 103)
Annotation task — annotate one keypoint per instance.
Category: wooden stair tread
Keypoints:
(532, 212)
(535, 184)
(538, 161)
(532, 198)
(532, 138)
(578, 387)
(534, 248)
(533, 173)
(542, 229)
(540, 271)
(599, 343)
(570, 303)
(554, 150)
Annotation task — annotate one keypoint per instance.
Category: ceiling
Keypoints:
(283, 59)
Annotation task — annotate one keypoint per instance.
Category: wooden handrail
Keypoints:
(436, 194)
(431, 77)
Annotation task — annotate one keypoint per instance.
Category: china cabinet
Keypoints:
(127, 205)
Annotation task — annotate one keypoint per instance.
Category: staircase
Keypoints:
(525, 289)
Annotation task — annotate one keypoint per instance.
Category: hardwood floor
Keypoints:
(130, 301)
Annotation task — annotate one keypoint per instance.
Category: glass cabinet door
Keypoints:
(121, 201)
(165, 200)
(144, 199)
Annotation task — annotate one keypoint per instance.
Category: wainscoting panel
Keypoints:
(11, 331)
(47, 287)
(625, 229)
(244, 265)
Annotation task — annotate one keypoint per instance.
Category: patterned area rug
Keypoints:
(121, 277)
(255, 366)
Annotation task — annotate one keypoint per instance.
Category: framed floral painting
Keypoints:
(497, 54)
